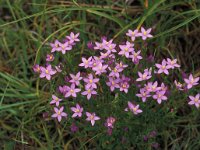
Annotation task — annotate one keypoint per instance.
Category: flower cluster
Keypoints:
(108, 67)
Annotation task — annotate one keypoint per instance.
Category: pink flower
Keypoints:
(113, 83)
(145, 76)
(73, 37)
(99, 46)
(59, 113)
(134, 108)
(92, 117)
(77, 111)
(195, 100)
(178, 85)
(172, 63)
(64, 47)
(99, 69)
(110, 47)
(91, 81)
(55, 100)
(160, 96)
(143, 94)
(145, 33)
(126, 49)
(36, 68)
(89, 92)
(75, 78)
(163, 68)
(115, 72)
(152, 87)
(110, 122)
(49, 57)
(55, 46)
(191, 81)
(71, 91)
(136, 56)
(133, 34)
(85, 62)
(63, 89)
(47, 72)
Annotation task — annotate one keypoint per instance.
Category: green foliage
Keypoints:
(26, 28)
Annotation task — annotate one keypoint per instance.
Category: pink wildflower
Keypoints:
(89, 92)
(136, 57)
(99, 69)
(160, 96)
(143, 94)
(73, 37)
(178, 85)
(194, 100)
(145, 33)
(134, 108)
(133, 34)
(113, 83)
(59, 113)
(163, 68)
(92, 117)
(55, 46)
(75, 78)
(110, 122)
(126, 49)
(47, 72)
(77, 111)
(91, 81)
(72, 91)
(191, 81)
(172, 63)
(65, 47)
(55, 100)
(36, 68)
(49, 57)
(85, 62)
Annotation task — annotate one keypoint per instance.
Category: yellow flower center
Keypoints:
(90, 81)
(89, 91)
(59, 112)
(115, 69)
(163, 67)
(145, 33)
(72, 91)
(124, 85)
(126, 49)
(91, 117)
(47, 71)
(196, 99)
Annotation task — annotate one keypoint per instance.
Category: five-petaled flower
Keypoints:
(191, 81)
(77, 111)
(72, 90)
(47, 72)
(194, 100)
(92, 117)
(59, 113)
(55, 100)
(134, 108)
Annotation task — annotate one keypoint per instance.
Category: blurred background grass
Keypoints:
(27, 26)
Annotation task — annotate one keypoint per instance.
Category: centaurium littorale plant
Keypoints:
(109, 68)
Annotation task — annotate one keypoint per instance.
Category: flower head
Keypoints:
(160, 96)
(49, 57)
(55, 100)
(59, 113)
(110, 122)
(163, 68)
(126, 49)
(92, 117)
(55, 46)
(133, 34)
(71, 91)
(145, 33)
(77, 111)
(91, 81)
(191, 81)
(194, 100)
(36, 68)
(75, 78)
(47, 72)
(134, 108)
